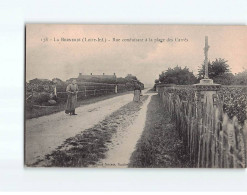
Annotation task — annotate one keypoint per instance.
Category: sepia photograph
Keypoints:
(135, 96)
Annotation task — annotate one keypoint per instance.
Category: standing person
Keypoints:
(72, 90)
(137, 92)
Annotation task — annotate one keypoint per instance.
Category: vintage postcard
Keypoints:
(135, 96)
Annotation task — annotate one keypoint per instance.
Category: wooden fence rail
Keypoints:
(85, 90)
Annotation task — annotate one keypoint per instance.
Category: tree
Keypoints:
(178, 76)
(241, 78)
(57, 81)
(131, 77)
(225, 79)
(218, 70)
(156, 81)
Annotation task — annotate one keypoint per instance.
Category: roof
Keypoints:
(97, 76)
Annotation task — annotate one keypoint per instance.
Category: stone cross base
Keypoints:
(206, 92)
(207, 85)
(206, 81)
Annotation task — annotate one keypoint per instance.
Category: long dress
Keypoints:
(137, 93)
(72, 98)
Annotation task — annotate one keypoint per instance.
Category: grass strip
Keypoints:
(159, 145)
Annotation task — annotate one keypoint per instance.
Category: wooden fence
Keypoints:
(212, 139)
(96, 89)
(86, 89)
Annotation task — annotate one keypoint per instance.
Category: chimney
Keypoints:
(80, 74)
(103, 73)
(91, 73)
(114, 74)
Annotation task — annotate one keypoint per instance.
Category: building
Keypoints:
(96, 78)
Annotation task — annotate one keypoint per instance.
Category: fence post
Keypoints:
(55, 90)
(244, 136)
(32, 96)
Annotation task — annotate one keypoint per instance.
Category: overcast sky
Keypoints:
(146, 60)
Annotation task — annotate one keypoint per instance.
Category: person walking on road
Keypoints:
(72, 90)
(137, 92)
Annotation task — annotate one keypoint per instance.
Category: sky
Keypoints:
(161, 47)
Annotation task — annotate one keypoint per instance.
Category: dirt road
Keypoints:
(113, 133)
(124, 141)
(45, 133)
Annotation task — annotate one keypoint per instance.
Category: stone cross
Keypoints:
(206, 57)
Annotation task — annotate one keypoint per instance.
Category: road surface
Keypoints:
(124, 141)
(46, 133)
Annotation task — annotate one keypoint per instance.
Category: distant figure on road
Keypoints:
(72, 90)
(137, 92)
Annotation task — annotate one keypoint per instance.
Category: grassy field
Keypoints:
(159, 145)
(34, 112)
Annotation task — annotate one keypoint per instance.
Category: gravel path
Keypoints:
(124, 141)
(113, 133)
(45, 133)
(89, 147)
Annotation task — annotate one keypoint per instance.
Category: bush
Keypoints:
(178, 76)
(40, 98)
